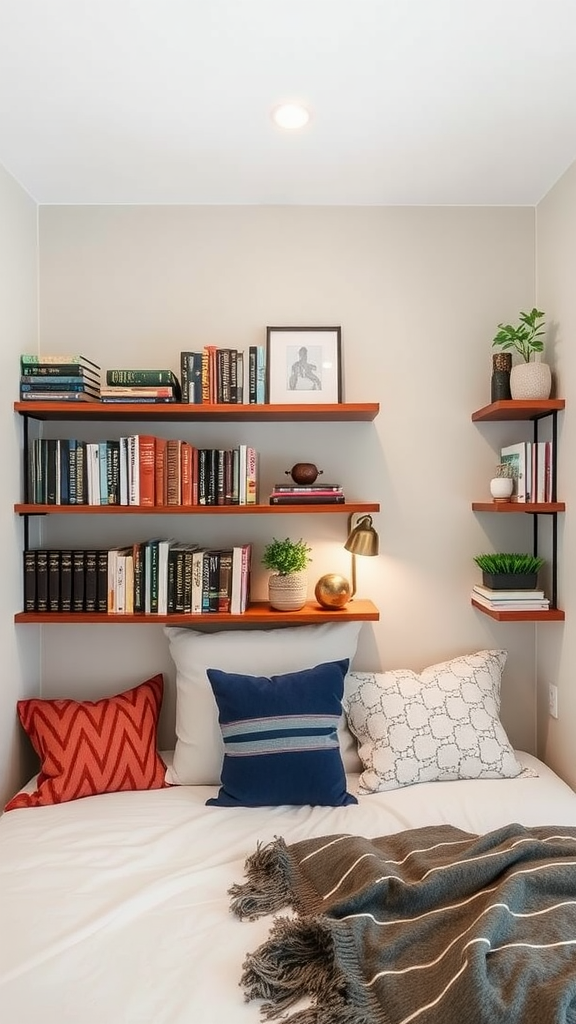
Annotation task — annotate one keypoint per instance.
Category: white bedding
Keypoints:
(114, 909)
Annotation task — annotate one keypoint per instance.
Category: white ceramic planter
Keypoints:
(501, 488)
(530, 381)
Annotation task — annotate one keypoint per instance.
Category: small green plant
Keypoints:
(505, 469)
(286, 556)
(525, 337)
(509, 563)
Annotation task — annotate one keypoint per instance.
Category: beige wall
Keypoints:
(556, 261)
(18, 333)
(418, 293)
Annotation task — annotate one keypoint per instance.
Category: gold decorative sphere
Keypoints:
(332, 591)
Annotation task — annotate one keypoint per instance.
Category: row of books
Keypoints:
(531, 469)
(53, 378)
(510, 600)
(141, 470)
(312, 494)
(155, 577)
(210, 375)
(224, 376)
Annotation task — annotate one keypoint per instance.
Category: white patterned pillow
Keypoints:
(439, 725)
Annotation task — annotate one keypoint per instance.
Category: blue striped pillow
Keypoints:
(280, 737)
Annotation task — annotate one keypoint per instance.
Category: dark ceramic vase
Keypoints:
(500, 383)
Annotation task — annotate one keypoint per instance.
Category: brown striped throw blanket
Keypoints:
(432, 926)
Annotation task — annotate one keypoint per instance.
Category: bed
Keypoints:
(116, 907)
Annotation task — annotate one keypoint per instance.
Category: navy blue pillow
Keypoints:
(280, 737)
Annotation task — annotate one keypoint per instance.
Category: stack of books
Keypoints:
(58, 378)
(510, 600)
(138, 386)
(307, 494)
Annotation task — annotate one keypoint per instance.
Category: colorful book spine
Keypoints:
(28, 359)
(260, 375)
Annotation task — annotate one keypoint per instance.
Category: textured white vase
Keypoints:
(501, 488)
(288, 593)
(530, 381)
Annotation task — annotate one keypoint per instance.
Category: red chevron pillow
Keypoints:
(90, 747)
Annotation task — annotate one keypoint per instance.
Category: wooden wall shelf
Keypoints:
(259, 612)
(517, 410)
(178, 413)
(195, 510)
(549, 615)
(538, 508)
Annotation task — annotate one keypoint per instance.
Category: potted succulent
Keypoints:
(528, 379)
(502, 483)
(288, 581)
(504, 571)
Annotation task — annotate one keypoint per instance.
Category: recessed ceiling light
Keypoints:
(290, 116)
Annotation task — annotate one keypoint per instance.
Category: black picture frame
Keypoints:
(304, 365)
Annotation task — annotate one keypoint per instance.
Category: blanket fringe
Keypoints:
(296, 961)
(267, 889)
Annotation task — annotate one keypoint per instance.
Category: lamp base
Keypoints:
(332, 591)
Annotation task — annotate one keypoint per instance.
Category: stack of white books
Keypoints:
(510, 600)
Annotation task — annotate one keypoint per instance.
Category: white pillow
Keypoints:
(199, 750)
(440, 725)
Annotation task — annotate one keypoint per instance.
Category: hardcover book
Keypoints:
(29, 602)
(28, 359)
(515, 456)
(58, 396)
(139, 377)
(60, 371)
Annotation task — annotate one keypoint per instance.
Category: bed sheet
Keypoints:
(114, 909)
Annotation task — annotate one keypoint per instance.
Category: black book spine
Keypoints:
(212, 496)
(102, 590)
(91, 581)
(203, 465)
(138, 558)
(51, 456)
(184, 383)
(195, 378)
(113, 472)
(188, 566)
(64, 456)
(66, 581)
(81, 482)
(225, 581)
(30, 581)
(78, 580)
(179, 569)
(42, 580)
(210, 581)
(54, 580)
(252, 374)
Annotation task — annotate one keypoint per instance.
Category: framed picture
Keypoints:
(303, 365)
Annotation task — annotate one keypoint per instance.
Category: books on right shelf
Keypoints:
(531, 468)
(510, 600)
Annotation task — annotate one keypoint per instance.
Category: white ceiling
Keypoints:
(168, 101)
